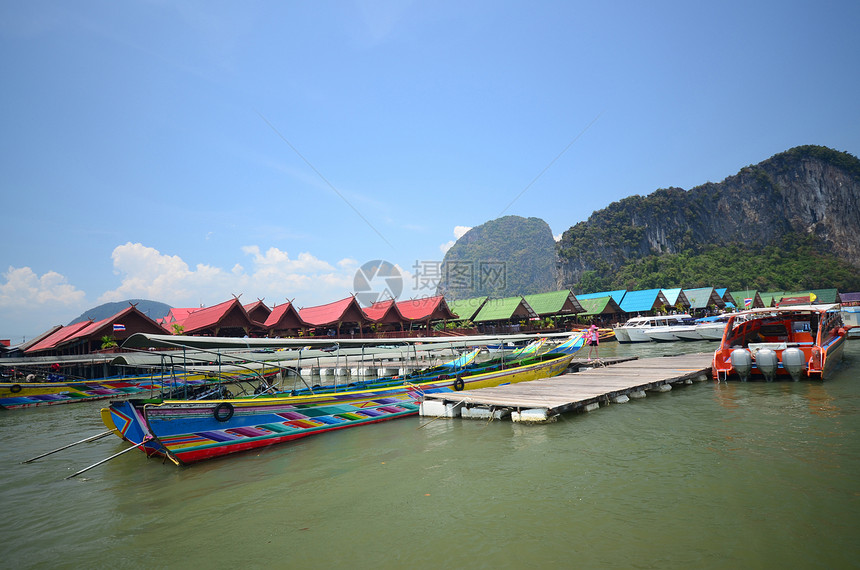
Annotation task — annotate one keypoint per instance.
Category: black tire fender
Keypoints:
(459, 384)
(223, 411)
(15, 388)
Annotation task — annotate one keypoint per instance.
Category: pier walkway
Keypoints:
(543, 400)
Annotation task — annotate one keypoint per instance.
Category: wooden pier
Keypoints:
(543, 400)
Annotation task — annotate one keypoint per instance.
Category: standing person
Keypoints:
(593, 342)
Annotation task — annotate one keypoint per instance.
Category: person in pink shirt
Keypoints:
(593, 340)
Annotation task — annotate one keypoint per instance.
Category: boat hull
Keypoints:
(621, 334)
(192, 431)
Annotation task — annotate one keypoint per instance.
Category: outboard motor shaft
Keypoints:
(742, 363)
(767, 363)
(794, 362)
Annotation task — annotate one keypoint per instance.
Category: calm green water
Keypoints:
(751, 475)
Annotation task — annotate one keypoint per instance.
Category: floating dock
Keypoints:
(597, 383)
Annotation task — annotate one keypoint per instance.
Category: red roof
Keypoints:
(344, 311)
(177, 315)
(229, 313)
(130, 317)
(426, 308)
(384, 312)
(284, 317)
(58, 336)
(258, 311)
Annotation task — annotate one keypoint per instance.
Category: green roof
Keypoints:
(739, 297)
(701, 297)
(771, 297)
(465, 309)
(504, 310)
(599, 306)
(554, 303)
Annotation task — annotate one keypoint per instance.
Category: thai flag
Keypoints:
(747, 303)
(118, 327)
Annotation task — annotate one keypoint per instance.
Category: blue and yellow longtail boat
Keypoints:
(191, 431)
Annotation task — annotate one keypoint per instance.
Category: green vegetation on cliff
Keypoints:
(508, 256)
(797, 262)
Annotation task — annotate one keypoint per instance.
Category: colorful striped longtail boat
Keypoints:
(192, 431)
(27, 395)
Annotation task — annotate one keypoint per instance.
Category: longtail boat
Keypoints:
(190, 431)
(17, 395)
(794, 341)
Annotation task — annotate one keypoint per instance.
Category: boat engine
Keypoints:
(794, 362)
(766, 362)
(742, 363)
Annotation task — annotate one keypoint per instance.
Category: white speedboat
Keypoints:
(622, 332)
(667, 328)
(712, 328)
(636, 329)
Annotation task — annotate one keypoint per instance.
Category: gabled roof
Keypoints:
(740, 296)
(642, 301)
(227, 314)
(58, 336)
(617, 295)
(724, 294)
(600, 306)
(812, 297)
(674, 295)
(426, 309)
(853, 297)
(384, 312)
(504, 310)
(130, 318)
(258, 311)
(344, 311)
(466, 309)
(284, 317)
(39, 338)
(703, 297)
(177, 315)
(562, 302)
(771, 298)
(825, 296)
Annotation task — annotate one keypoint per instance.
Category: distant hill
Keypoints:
(152, 309)
(508, 256)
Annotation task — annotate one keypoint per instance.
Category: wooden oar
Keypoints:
(91, 438)
(106, 459)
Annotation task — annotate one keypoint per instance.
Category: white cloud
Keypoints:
(459, 231)
(22, 287)
(30, 304)
(272, 275)
(558, 237)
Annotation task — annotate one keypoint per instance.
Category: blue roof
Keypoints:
(671, 295)
(639, 301)
(617, 296)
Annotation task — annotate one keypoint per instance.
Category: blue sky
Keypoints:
(188, 151)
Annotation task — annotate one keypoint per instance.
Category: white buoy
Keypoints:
(534, 415)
